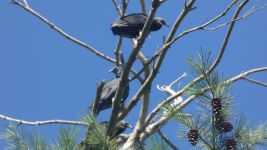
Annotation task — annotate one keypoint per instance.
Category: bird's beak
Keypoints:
(111, 70)
(166, 24)
(130, 126)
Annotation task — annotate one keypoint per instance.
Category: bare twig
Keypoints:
(46, 122)
(228, 34)
(244, 74)
(143, 6)
(201, 27)
(255, 81)
(146, 64)
(117, 6)
(167, 141)
(124, 6)
(121, 13)
(95, 104)
(247, 14)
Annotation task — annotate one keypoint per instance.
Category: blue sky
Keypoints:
(45, 76)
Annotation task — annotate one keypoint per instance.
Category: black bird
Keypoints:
(130, 26)
(109, 90)
(120, 127)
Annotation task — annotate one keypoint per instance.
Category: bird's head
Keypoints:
(117, 70)
(161, 21)
(125, 124)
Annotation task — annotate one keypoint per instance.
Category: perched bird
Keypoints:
(87, 144)
(109, 90)
(131, 25)
(120, 127)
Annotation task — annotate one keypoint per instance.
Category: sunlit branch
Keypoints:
(46, 122)
(63, 33)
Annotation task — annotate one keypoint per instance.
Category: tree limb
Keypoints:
(143, 6)
(95, 104)
(255, 81)
(64, 34)
(117, 7)
(46, 122)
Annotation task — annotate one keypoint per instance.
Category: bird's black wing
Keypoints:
(129, 26)
(136, 20)
(109, 89)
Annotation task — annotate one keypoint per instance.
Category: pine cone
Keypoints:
(193, 136)
(226, 127)
(216, 112)
(216, 106)
(230, 144)
(218, 120)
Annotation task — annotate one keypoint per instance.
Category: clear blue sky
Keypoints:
(45, 76)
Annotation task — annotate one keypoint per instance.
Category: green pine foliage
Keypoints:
(216, 127)
(96, 136)
(17, 139)
(155, 143)
(67, 139)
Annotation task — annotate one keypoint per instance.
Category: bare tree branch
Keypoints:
(95, 104)
(46, 122)
(247, 14)
(143, 6)
(167, 141)
(117, 6)
(64, 34)
(145, 65)
(26, 3)
(201, 27)
(244, 74)
(255, 81)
